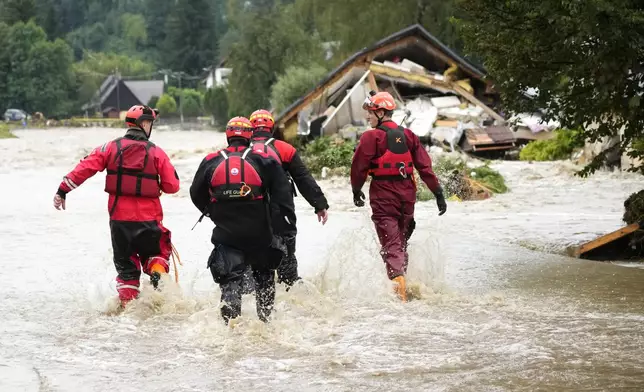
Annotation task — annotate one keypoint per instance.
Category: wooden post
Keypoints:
(372, 82)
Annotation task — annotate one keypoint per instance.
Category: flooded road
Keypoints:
(501, 309)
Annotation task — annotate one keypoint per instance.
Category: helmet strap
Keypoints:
(380, 118)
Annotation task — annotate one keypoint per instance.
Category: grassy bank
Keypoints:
(5, 132)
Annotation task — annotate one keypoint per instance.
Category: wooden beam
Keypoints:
(465, 94)
(372, 81)
(605, 239)
(393, 87)
(346, 98)
(424, 80)
(396, 44)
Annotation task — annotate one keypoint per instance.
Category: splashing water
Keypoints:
(493, 314)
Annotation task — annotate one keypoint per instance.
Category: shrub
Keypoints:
(167, 105)
(558, 148)
(328, 152)
(5, 132)
(634, 208)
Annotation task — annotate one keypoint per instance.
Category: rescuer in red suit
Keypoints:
(288, 157)
(138, 171)
(390, 153)
(237, 189)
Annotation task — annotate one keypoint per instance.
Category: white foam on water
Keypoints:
(494, 314)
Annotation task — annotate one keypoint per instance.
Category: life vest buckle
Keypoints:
(244, 190)
(401, 169)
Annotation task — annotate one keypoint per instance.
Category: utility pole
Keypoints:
(180, 99)
(118, 91)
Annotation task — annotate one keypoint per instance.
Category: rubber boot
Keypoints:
(231, 299)
(155, 275)
(265, 293)
(400, 287)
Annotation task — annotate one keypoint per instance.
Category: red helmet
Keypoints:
(262, 119)
(379, 101)
(239, 127)
(138, 113)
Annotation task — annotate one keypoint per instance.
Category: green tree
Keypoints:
(133, 31)
(12, 11)
(38, 73)
(167, 105)
(294, 83)
(584, 57)
(190, 42)
(216, 104)
(268, 42)
(336, 20)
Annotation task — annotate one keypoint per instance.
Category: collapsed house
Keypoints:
(441, 97)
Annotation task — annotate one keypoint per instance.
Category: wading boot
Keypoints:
(155, 275)
(400, 287)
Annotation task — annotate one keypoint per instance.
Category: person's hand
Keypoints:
(440, 202)
(323, 216)
(59, 202)
(358, 198)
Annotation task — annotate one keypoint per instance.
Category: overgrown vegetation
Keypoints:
(5, 132)
(634, 208)
(457, 179)
(558, 148)
(333, 153)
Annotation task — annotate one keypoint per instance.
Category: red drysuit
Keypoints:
(392, 201)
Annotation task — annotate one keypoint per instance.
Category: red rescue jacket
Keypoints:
(372, 147)
(144, 170)
(297, 172)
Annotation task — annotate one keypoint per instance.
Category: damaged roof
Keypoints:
(415, 34)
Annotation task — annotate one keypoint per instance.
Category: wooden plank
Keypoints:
(461, 91)
(603, 240)
(397, 93)
(492, 148)
(347, 97)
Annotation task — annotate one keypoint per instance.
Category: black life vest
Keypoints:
(131, 170)
(235, 178)
(396, 163)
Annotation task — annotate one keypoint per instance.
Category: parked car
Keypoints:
(15, 115)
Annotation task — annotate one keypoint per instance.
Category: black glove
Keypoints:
(358, 198)
(440, 202)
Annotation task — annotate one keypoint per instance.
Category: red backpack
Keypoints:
(266, 147)
(235, 178)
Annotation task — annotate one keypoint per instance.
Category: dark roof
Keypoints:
(145, 89)
(142, 90)
(413, 30)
